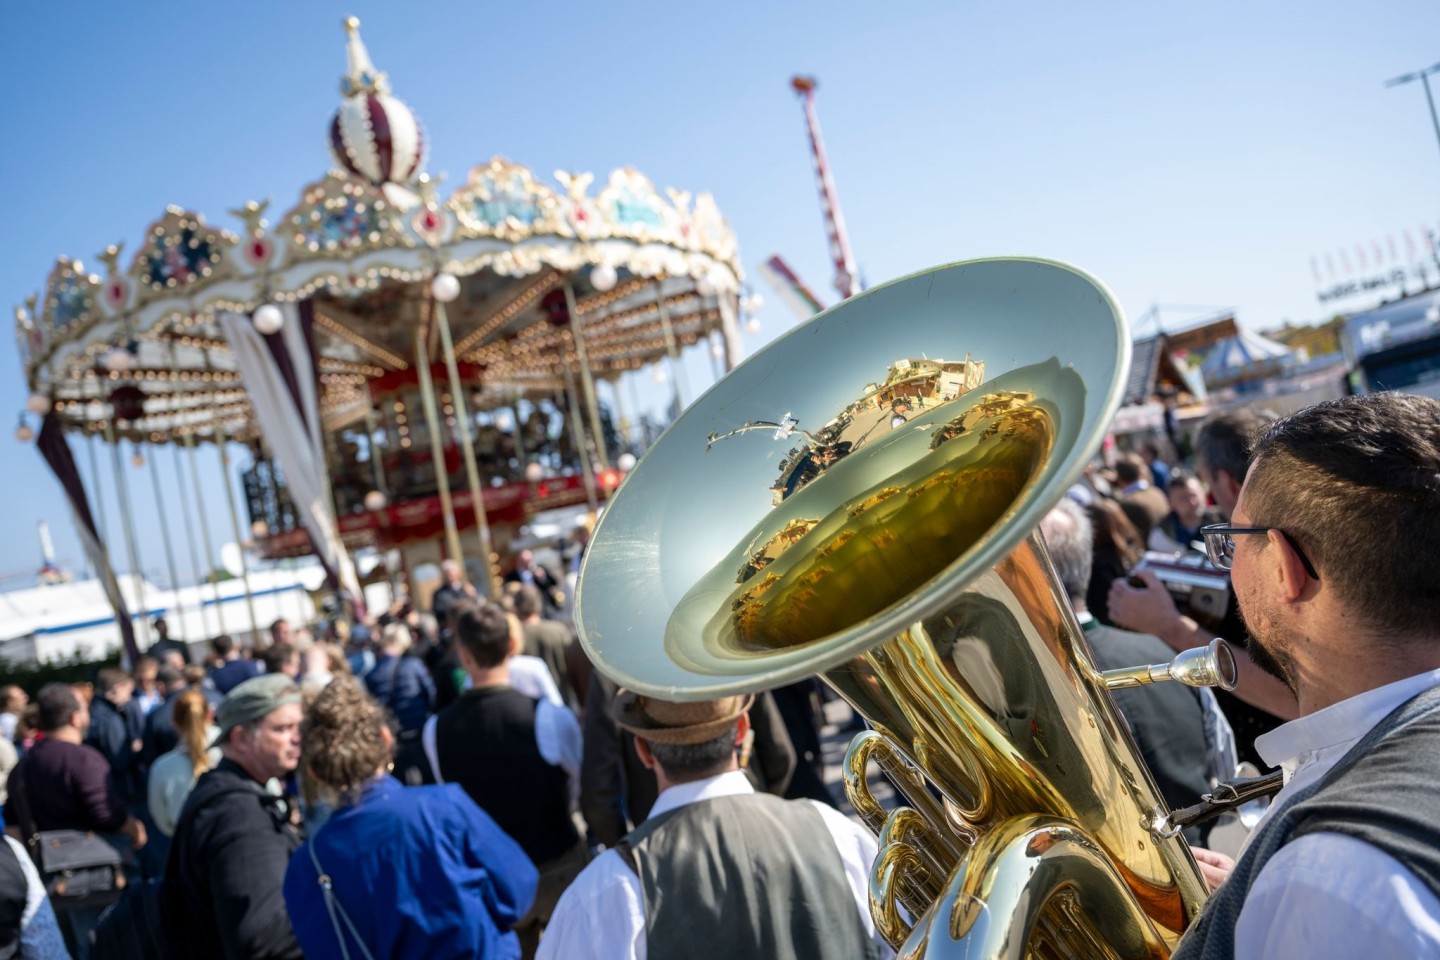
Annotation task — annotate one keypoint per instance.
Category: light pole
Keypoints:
(1424, 77)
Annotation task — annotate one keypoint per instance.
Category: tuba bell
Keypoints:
(857, 501)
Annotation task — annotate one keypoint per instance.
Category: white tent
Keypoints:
(1243, 356)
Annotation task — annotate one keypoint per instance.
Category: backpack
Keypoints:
(133, 928)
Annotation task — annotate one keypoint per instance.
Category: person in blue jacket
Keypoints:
(397, 871)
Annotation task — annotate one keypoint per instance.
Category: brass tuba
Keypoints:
(857, 501)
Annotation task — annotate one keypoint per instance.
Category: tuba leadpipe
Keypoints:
(857, 501)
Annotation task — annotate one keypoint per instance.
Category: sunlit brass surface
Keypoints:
(1212, 665)
(843, 503)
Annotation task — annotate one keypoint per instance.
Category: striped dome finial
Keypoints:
(373, 135)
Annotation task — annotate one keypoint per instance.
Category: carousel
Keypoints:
(413, 372)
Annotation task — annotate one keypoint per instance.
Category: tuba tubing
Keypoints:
(857, 501)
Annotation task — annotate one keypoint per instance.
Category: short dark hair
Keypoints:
(1179, 477)
(222, 645)
(528, 601)
(1356, 483)
(55, 704)
(276, 656)
(170, 677)
(690, 761)
(1225, 440)
(1130, 468)
(484, 630)
(108, 679)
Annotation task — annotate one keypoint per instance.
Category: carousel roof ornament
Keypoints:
(375, 135)
(363, 243)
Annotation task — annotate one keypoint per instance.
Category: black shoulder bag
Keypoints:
(78, 868)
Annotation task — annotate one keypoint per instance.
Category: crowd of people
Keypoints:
(460, 782)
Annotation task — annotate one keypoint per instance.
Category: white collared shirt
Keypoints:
(1327, 894)
(602, 914)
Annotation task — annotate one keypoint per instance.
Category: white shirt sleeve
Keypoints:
(858, 850)
(600, 915)
(558, 737)
(40, 937)
(1329, 895)
(531, 677)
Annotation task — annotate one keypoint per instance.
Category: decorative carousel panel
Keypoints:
(341, 216)
(632, 208)
(69, 299)
(502, 199)
(180, 252)
(712, 233)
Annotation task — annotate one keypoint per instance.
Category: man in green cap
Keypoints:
(228, 857)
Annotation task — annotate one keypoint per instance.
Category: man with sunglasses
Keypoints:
(1259, 702)
(1334, 548)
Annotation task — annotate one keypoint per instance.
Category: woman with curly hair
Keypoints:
(397, 871)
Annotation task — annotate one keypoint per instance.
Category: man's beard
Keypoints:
(1268, 647)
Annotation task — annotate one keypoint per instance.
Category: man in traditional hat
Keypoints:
(717, 870)
(227, 861)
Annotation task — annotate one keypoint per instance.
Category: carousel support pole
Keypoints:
(467, 450)
(730, 327)
(122, 495)
(519, 433)
(222, 443)
(164, 528)
(205, 531)
(622, 415)
(377, 469)
(577, 433)
(190, 545)
(286, 564)
(95, 478)
(587, 381)
(437, 445)
(671, 346)
(189, 437)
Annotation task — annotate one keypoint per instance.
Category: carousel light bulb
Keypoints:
(119, 360)
(626, 462)
(38, 403)
(23, 433)
(445, 287)
(717, 349)
(259, 529)
(603, 278)
(534, 472)
(752, 303)
(269, 319)
(375, 500)
(504, 423)
(705, 286)
(752, 325)
(138, 460)
(657, 373)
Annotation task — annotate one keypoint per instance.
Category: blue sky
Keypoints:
(1198, 155)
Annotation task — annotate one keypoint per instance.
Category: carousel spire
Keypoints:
(374, 135)
(363, 77)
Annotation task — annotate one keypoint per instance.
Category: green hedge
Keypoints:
(76, 669)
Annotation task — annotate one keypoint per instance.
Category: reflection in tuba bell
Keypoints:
(854, 501)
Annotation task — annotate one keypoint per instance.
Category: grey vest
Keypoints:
(1382, 792)
(744, 876)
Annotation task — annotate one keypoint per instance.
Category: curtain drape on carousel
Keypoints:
(57, 454)
(278, 372)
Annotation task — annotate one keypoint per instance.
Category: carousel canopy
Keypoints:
(141, 338)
